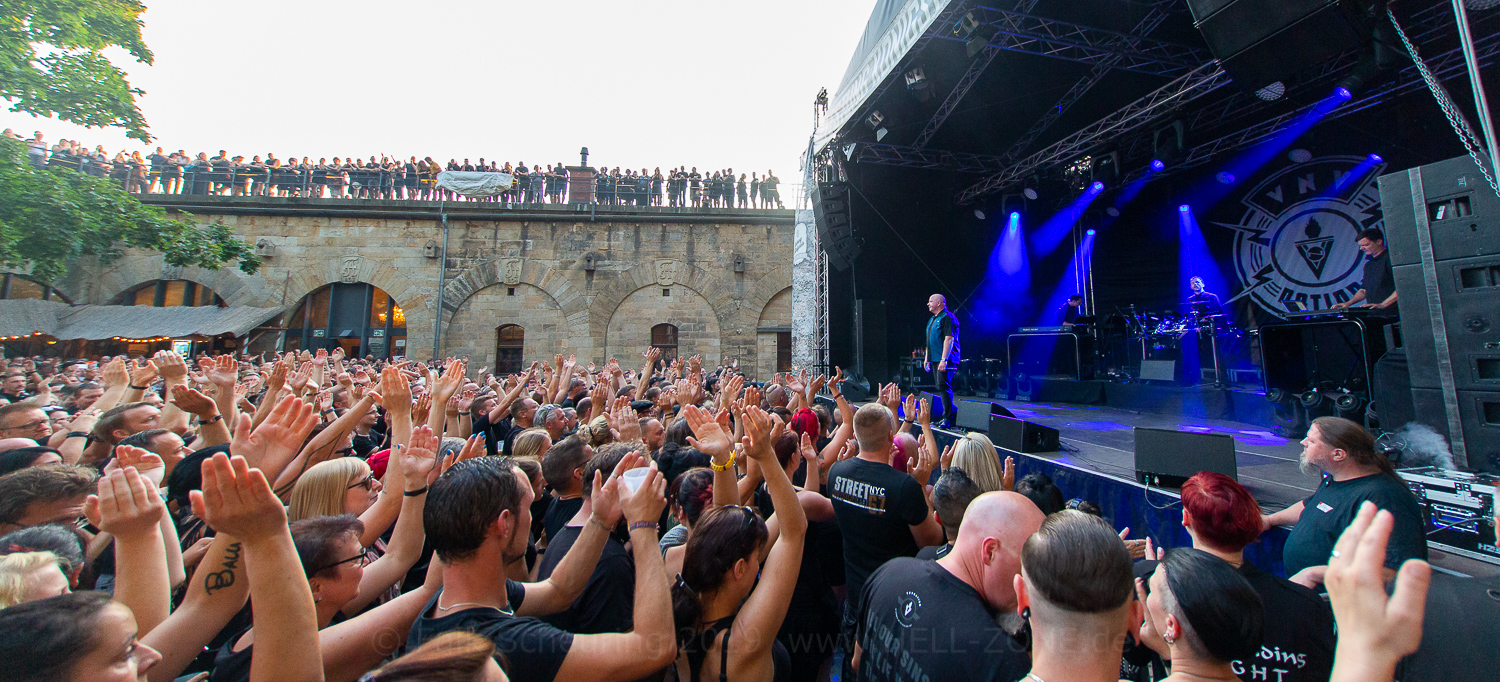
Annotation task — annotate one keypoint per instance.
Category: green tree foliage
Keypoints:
(49, 218)
(51, 60)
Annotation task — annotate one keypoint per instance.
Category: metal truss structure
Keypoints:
(1186, 88)
(929, 159)
(1022, 32)
(971, 76)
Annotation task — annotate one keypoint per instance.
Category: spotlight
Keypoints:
(1184, 208)
(1348, 404)
(1276, 395)
(874, 119)
(1029, 193)
(917, 84)
(1376, 158)
(1097, 187)
(1089, 232)
(880, 134)
(979, 214)
(1299, 156)
(1112, 212)
(1272, 92)
(1311, 398)
(1225, 178)
(1158, 166)
(1342, 92)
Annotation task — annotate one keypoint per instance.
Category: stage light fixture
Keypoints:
(1089, 232)
(1272, 92)
(1348, 404)
(1029, 193)
(1225, 178)
(874, 119)
(1097, 187)
(1343, 93)
(1158, 165)
(917, 84)
(1376, 158)
(1299, 155)
(1184, 208)
(979, 214)
(1311, 398)
(1112, 212)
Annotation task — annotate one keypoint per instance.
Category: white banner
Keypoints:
(474, 184)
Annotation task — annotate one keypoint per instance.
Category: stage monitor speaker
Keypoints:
(1260, 42)
(1443, 232)
(830, 202)
(1158, 370)
(1165, 458)
(936, 401)
(997, 408)
(855, 389)
(972, 415)
(1019, 435)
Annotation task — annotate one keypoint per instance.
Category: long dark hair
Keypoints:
(449, 657)
(1224, 614)
(1352, 438)
(722, 536)
(42, 640)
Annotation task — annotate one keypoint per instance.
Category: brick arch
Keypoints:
(553, 282)
(103, 286)
(709, 341)
(608, 297)
(534, 309)
(304, 281)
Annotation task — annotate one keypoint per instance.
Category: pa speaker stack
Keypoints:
(1260, 42)
(1019, 435)
(1442, 226)
(830, 202)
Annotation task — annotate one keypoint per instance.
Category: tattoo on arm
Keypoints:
(224, 577)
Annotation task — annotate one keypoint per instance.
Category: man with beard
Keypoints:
(1353, 472)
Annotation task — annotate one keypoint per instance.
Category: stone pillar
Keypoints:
(580, 185)
(805, 291)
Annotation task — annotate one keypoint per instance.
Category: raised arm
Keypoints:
(128, 508)
(712, 439)
(417, 460)
(567, 581)
(651, 354)
(224, 373)
(321, 447)
(215, 594)
(272, 444)
(619, 657)
(237, 500)
(760, 618)
(211, 427)
(173, 372)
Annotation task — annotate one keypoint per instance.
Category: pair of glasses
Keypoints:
(360, 560)
(32, 426)
(368, 482)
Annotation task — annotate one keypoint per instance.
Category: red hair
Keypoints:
(1225, 514)
(805, 421)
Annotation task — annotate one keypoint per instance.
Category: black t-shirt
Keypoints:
(495, 433)
(608, 601)
(1330, 509)
(1299, 638)
(558, 515)
(875, 507)
(530, 649)
(934, 553)
(920, 622)
(1379, 282)
(1458, 631)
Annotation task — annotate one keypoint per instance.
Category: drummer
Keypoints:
(1203, 303)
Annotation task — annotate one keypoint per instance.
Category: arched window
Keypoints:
(664, 337)
(360, 318)
(21, 286)
(510, 342)
(170, 293)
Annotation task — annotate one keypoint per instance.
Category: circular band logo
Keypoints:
(906, 609)
(1295, 247)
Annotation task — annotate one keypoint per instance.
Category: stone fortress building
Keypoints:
(521, 283)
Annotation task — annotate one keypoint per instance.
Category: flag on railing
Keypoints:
(475, 184)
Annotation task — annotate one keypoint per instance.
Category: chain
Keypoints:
(1451, 110)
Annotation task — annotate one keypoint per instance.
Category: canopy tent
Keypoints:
(23, 317)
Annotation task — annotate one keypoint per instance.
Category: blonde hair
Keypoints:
(18, 570)
(530, 444)
(976, 455)
(320, 490)
(598, 432)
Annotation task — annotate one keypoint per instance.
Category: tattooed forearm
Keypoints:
(220, 579)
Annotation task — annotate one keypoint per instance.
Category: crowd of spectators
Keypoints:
(386, 177)
(313, 516)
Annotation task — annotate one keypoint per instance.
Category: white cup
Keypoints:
(633, 478)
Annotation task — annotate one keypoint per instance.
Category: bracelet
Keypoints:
(217, 418)
(140, 388)
(726, 465)
(643, 524)
(78, 434)
(600, 524)
(415, 493)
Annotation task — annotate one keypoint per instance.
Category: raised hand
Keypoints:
(647, 502)
(279, 437)
(1374, 631)
(473, 447)
(419, 458)
(193, 402)
(277, 378)
(606, 493)
(712, 432)
(298, 381)
(126, 504)
(141, 373)
(924, 413)
(320, 358)
(758, 426)
(396, 389)
(169, 366)
(222, 371)
(908, 408)
(946, 460)
(1008, 474)
(237, 500)
(147, 463)
(626, 421)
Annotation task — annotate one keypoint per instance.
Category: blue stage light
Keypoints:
(1225, 178)
(1158, 166)
(1097, 187)
(1342, 93)
(1376, 158)
(1089, 232)
(1184, 208)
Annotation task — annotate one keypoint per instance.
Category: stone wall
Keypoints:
(586, 282)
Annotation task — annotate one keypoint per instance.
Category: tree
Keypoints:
(49, 218)
(51, 60)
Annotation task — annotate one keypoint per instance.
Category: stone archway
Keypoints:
(628, 330)
(471, 329)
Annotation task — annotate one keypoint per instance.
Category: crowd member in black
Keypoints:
(769, 187)
(951, 496)
(882, 513)
(695, 187)
(741, 190)
(657, 185)
(1200, 614)
(754, 191)
(1203, 303)
(563, 467)
(909, 606)
(1353, 472)
(606, 602)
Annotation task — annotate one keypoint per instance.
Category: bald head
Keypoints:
(987, 553)
(13, 443)
(937, 303)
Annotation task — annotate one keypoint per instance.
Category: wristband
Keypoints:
(415, 493)
(643, 524)
(140, 388)
(600, 524)
(725, 467)
(78, 434)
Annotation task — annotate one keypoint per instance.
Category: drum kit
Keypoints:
(1170, 329)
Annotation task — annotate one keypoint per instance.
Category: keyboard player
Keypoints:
(1378, 289)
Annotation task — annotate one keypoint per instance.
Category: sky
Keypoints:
(657, 83)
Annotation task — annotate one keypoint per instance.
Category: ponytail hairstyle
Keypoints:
(722, 537)
(1352, 438)
(693, 492)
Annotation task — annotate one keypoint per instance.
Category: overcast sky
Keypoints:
(703, 83)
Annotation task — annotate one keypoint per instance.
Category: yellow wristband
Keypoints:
(726, 465)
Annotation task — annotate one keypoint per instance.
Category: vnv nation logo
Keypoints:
(1295, 247)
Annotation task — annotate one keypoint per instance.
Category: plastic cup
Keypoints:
(635, 477)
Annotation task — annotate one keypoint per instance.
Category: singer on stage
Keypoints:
(942, 350)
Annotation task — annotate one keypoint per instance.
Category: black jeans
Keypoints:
(944, 381)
